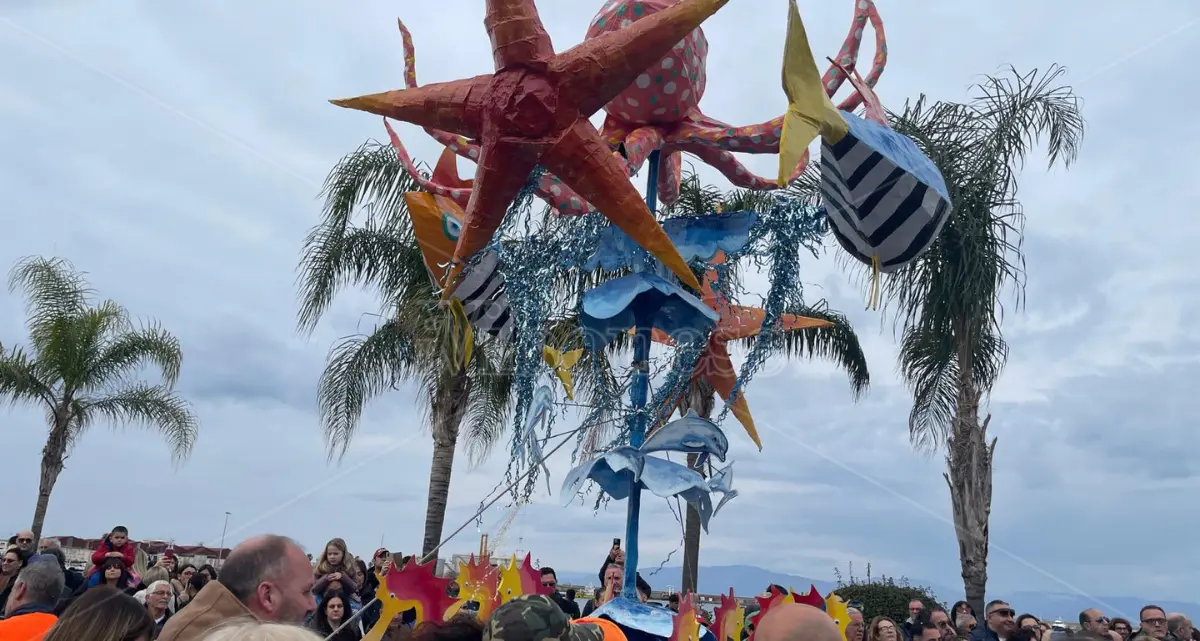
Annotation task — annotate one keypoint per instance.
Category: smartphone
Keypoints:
(617, 542)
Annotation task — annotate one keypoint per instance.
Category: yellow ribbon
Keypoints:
(875, 292)
(560, 364)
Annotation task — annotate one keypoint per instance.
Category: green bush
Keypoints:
(883, 595)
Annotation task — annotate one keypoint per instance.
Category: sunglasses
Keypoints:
(1154, 621)
(1003, 612)
(548, 584)
(23, 540)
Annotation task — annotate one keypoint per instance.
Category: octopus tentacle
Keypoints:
(670, 175)
(764, 137)
(453, 192)
(456, 143)
(730, 167)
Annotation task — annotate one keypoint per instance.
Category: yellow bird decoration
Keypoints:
(561, 363)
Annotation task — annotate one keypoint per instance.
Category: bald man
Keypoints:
(267, 578)
(796, 622)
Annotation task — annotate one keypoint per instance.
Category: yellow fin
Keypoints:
(810, 111)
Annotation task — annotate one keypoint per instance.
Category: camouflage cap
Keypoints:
(536, 617)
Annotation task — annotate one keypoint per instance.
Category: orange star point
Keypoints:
(534, 110)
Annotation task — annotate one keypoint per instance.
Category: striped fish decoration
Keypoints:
(885, 199)
(437, 222)
(481, 291)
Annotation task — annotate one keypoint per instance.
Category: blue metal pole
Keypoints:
(638, 391)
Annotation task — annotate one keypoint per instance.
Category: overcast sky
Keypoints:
(175, 151)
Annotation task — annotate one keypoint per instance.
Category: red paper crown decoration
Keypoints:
(686, 626)
(729, 618)
(416, 586)
(812, 597)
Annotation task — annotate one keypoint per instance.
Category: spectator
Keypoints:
(10, 566)
(180, 583)
(266, 578)
(1029, 621)
(1094, 623)
(909, 628)
(882, 629)
(672, 601)
(103, 614)
(159, 595)
(208, 572)
(550, 581)
(998, 623)
(335, 564)
(115, 544)
(114, 574)
(29, 611)
(1179, 626)
(57, 555)
(964, 624)
(72, 578)
(960, 608)
(333, 611)
(856, 627)
(1154, 623)
(613, 577)
(1122, 627)
(257, 631)
(796, 622)
(359, 574)
(924, 629)
(24, 540)
(941, 619)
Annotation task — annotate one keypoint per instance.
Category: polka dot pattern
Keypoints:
(671, 88)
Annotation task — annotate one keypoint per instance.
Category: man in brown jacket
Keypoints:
(267, 578)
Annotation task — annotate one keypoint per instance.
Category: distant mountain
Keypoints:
(747, 579)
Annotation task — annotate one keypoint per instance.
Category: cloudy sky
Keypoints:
(175, 151)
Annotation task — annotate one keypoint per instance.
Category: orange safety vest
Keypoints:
(27, 627)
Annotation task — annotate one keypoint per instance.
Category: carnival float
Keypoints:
(498, 259)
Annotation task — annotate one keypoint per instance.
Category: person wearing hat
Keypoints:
(536, 617)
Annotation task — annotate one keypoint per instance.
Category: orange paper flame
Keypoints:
(686, 627)
(478, 581)
(415, 586)
(729, 618)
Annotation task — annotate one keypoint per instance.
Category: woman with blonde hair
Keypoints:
(103, 614)
(258, 631)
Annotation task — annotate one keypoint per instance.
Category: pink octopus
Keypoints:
(660, 112)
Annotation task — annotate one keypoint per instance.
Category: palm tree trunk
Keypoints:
(446, 410)
(699, 398)
(52, 465)
(969, 476)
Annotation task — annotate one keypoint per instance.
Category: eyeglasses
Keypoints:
(1003, 612)
(1154, 622)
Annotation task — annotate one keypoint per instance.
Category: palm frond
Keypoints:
(492, 370)
(55, 291)
(838, 344)
(955, 287)
(119, 357)
(156, 407)
(370, 177)
(21, 381)
(359, 368)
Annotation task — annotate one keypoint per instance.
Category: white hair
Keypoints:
(52, 544)
(258, 631)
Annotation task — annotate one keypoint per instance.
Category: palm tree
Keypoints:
(415, 340)
(947, 302)
(82, 366)
(838, 342)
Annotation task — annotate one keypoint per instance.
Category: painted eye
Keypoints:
(451, 226)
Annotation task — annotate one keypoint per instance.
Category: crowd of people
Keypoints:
(270, 589)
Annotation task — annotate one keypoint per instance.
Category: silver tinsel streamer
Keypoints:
(781, 233)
